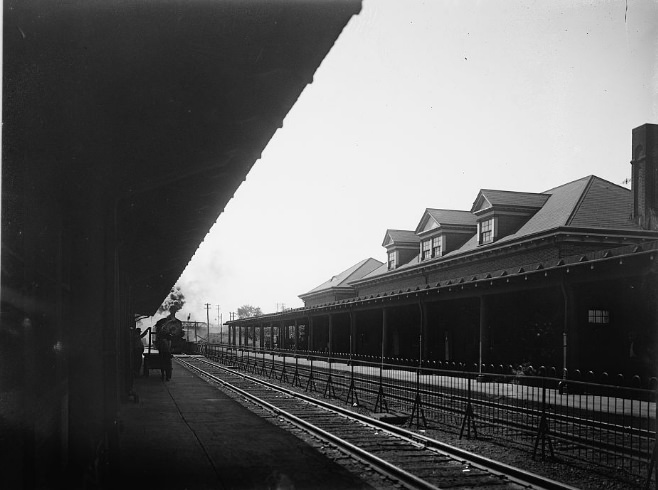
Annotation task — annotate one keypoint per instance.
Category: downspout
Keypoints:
(565, 330)
(420, 334)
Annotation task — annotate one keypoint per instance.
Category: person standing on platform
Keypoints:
(137, 349)
(165, 329)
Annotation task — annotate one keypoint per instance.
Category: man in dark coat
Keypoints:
(166, 329)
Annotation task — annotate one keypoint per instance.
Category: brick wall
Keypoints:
(328, 297)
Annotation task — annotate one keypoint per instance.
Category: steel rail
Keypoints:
(381, 466)
(606, 448)
(515, 475)
(624, 437)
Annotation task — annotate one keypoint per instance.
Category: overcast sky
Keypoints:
(422, 104)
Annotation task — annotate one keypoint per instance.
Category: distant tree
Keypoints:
(246, 311)
(175, 299)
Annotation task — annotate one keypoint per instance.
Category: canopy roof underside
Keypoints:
(164, 106)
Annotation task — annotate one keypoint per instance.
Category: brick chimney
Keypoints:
(645, 176)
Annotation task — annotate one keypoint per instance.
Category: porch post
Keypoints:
(384, 332)
(484, 332)
(311, 343)
(353, 334)
(331, 328)
(569, 330)
(424, 327)
(296, 335)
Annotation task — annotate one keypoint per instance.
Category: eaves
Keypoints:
(507, 246)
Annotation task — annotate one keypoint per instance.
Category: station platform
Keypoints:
(186, 434)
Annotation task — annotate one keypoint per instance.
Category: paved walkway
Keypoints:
(186, 434)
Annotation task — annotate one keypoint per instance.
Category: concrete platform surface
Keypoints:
(186, 434)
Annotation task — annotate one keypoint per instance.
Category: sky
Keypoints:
(420, 104)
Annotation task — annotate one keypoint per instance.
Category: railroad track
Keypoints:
(597, 437)
(406, 458)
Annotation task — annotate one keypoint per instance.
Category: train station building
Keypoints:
(128, 127)
(565, 278)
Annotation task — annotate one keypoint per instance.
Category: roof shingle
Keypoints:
(357, 271)
(448, 217)
(510, 198)
(400, 236)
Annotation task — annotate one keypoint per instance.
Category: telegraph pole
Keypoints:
(208, 319)
(219, 319)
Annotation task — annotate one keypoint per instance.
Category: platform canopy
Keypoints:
(163, 106)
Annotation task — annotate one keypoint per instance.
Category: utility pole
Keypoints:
(219, 319)
(208, 319)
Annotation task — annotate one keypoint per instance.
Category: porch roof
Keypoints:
(630, 259)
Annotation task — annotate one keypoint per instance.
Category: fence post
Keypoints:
(329, 387)
(381, 400)
(272, 368)
(295, 378)
(311, 382)
(469, 416)
(351, 393)
(417, 410)
(261, 370)
(543, 430)
(653, 465)
(284, 374)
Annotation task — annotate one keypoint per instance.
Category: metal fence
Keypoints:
(549, 412)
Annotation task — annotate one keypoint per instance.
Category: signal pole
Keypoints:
(208, 319)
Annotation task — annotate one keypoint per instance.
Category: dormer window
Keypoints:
(426, 251)
(436, 246)
(401, 247)
(430, 248)
(441, 231)
(503, 213)
(391, 260)
(486, 231)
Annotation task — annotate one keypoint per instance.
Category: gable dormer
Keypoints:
(502, 213)
(401, 246)
(441, 231)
